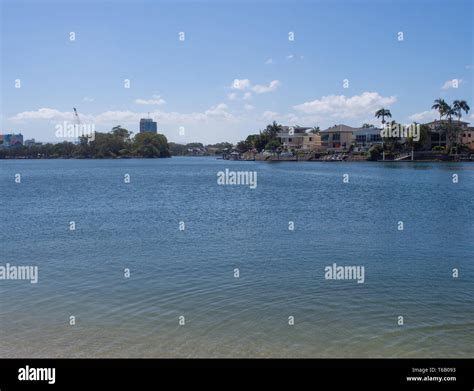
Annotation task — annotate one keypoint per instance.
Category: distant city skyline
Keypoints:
(211, 72)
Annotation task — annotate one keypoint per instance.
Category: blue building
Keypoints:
(147, 125)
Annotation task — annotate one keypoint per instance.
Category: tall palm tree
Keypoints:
(383, 113)
(451, 135)
(441, 106)
(450, 112)
(459, 106)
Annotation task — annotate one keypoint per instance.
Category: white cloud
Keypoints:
(240, 84)
(249, 107)
(295, 57)
(156, 101)
(454, 83)
(43, 114)
(245, 85)
(346, 107)
(261, 89)
(270, 115)
(117, 116)
(424, 116)
(218, 113)
(232, 96)
(269, 61)
(88, 99)
(287, 119)
(247, 96)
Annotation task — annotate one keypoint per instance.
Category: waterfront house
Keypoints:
(364, 138)
(311, 142)
(337, 138)
(297, 138)
(437, 133)
(467, 137)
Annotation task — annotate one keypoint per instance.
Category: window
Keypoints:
(336, 137)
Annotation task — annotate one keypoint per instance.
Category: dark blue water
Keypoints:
(190, 273)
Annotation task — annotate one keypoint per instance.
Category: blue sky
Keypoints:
(190, 83)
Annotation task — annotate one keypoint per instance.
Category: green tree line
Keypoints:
(118, 143)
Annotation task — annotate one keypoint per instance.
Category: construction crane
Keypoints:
(77, 120)
(79, 128)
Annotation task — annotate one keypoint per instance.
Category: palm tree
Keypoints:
(272, 130)
(449, 113)
(441, 106)
(459, 106)
(383, 113)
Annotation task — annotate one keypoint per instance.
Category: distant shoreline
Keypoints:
(249, 160)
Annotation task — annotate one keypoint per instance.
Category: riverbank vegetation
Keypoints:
(118, 143)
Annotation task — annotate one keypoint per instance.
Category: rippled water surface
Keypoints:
(190, 273)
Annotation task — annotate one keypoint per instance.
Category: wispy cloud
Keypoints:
(294, 57)
(346, 107)
(424, 116)
(454, 83)
(156, 101)
(44, 113)
(240, 84)
(247, 86)
(218, 112)
(270, 115)
(263, 89)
